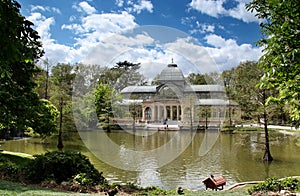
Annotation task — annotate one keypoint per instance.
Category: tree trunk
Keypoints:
(267, 155)
(60, 144)
(108, 129)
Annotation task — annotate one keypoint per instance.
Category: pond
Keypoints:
(185, 158)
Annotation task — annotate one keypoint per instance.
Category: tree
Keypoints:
(63, 77)
(44, 120)
(105, 98)
(228, 76)
(196, 79)
(47, 65)
(20, 48)
(43, 80)
(243, 88)
(280, 29)
(123, 74)
(199, 79)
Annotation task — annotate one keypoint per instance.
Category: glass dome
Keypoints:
(171, 73)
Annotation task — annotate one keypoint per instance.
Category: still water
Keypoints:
(185, 158)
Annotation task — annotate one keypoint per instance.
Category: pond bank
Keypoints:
(235, 156)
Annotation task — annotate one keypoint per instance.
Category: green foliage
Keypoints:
(275, 185)
(9, 171)
(196, 79)
(83, 179)
(131, 185)
(63, 77)
(290, 184)
(153, 190)
(84, 112)
(20, 47)
(200, 79)
(105, 99)
(20, 43)
(242, 87)
(44, 121)
(63, 166)
(121, 75)
(10, 166)
(281, 42)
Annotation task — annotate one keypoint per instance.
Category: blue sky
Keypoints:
(79, 31)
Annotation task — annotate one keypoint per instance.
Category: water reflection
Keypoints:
(128, 151)
(236, 156)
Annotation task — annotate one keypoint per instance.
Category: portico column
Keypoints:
(171, 112)
(159, 113)
(177, 112)
(152, 113)
(143, 113)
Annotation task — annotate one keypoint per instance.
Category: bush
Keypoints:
(83, 179)
(290, 184)
(153, 190)
(11, 166)
(9, 171)
(275, 185)
(63, 166)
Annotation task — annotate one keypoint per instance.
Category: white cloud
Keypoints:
(228, 54)
(98, 25)
(84, 7)
(96, 28)
(203, 28)
(190, 56)
(152, 54)
(119, 48)
(215, 8)
(45, 8)
(143, 5)
(99, 38)
(209, 7)
(120, 3)
(136, 7)
(37, 8)
(140, 40)
(54, 51)
(42, 24)
(199, 58)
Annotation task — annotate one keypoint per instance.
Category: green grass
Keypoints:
(11, 188)
(18, 159)
(240, 129)
(235, 192)
(17, 154)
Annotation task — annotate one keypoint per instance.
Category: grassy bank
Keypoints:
(12, 188)
(18, 187)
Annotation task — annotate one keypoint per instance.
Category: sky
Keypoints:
(198, 35)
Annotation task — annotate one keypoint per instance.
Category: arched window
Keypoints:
(148, 113)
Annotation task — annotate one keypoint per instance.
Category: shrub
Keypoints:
(10, 166)
(9, 171)
(275, 185)
(290, 184)
(153, 190)
(83, 179)
(62, 166)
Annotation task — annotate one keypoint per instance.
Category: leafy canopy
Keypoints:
(20, 47)
(280, 28)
